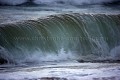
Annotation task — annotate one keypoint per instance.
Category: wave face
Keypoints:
(55, 2)
(60, 37)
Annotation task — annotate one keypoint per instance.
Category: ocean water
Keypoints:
(45, 8)
(59, 40)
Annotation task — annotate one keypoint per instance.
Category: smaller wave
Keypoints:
(12, 2)
(71, 2)
(55, 2)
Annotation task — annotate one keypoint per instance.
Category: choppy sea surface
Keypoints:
(17, 13)
(62, 71)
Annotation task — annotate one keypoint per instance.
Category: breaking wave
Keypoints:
(61, 37)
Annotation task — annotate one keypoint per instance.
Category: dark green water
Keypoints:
(77, 34)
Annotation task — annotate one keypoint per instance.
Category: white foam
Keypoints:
(39, 56)
(70, 71)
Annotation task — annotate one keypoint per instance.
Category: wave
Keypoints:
(55, 2)
(61, 37)
(12, 2)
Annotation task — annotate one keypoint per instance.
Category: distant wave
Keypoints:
(12, 2)
(54, 2)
